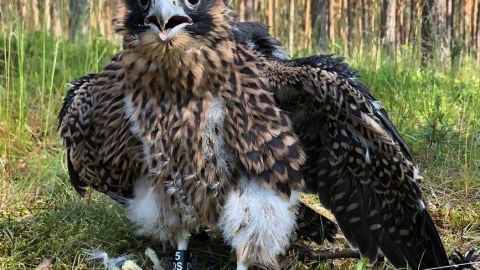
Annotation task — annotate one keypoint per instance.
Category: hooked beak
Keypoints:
(167, 18)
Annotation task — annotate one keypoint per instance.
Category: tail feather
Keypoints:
(424, 251)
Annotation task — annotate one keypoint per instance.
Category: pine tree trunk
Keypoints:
(388, 28)
(413, 19)
(461, 10)
(249, 9)
(319, 23)
(277, 18)
(452, 21)
(331, 21)
(478, 30)
(308, 26)
(240, 4)
(350, 26)
(472, 24)
(79, 18)
(364, 20)
(291, 32)
(271, 15)
(427, 30)
(439, 14)
(340, 18)
(36, 14)
(402, 21)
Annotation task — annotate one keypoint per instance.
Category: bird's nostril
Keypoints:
(153, 20)
(176, 20)
(171, 23)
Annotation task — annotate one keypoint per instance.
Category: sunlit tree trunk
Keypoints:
(472, 23)
(331, 21)
(249, 10)
(36, 14)
(240, 7)
(308, 25)
(401, 22)
(271, 16)
(467, 11)
(291, 32)
(388, 27)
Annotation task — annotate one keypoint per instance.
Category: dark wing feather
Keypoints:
(101, 151)
(357, 162)
(255, 36)
(379, 110)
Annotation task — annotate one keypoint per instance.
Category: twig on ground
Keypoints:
(331, 254)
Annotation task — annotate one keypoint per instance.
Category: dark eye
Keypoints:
(193, 3)
(144, 3)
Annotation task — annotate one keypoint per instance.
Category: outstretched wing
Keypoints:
(357, 162)
(101, 151)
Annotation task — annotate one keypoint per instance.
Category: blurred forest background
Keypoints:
(445, 27)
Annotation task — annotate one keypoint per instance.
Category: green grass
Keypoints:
(436, 109)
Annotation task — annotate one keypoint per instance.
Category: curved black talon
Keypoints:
(463, 262)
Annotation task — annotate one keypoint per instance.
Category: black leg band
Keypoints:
(182, 260)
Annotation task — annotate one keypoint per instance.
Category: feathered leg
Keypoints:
(257, 223)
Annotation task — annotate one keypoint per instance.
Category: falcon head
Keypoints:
(178, 23)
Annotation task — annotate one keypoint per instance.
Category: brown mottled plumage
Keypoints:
(194, 158)
(116, 162)
(104, 154)
(226, 132)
